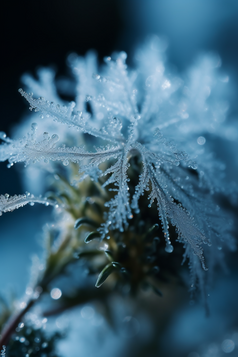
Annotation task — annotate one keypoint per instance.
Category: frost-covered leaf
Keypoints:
(149, 114)
(10, 203)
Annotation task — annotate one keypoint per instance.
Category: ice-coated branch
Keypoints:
(10, 203)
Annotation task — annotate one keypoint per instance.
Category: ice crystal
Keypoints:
(148, 114)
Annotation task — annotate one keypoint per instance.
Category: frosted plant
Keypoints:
(136, 132)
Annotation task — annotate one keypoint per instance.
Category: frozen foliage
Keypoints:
(8, 204)
(148, 114)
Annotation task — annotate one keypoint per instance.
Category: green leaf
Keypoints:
(89, 253)
(85, 221)
(91, 236)
(108, 270)
(108, 254)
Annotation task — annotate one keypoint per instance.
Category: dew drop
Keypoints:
(54, 138)
(169, 248)
(228, 346)
(22, 305)
(2, 135)
(201, 140)
(107, 59)
(96, 76)
(65, 162)
(55, 293)
(137, 116)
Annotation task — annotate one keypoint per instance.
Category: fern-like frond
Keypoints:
(30, 151)
(66, 115)
(10, 203)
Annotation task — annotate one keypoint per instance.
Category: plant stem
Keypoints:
(14, 321)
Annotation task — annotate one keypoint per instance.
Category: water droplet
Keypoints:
(55, 293)
(21, 325)
(44, 345)
(228, 346)
(169, 248)
(54, 138)
(96, 76)
(2, 135)
(137, 116)
(65, 162)
(22, 339)
(201, 140)
(22, 305)
(37, 339)
(107, 59)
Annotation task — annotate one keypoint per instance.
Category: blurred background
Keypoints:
(42, 33)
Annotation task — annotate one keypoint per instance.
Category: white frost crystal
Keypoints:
(166, 122)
